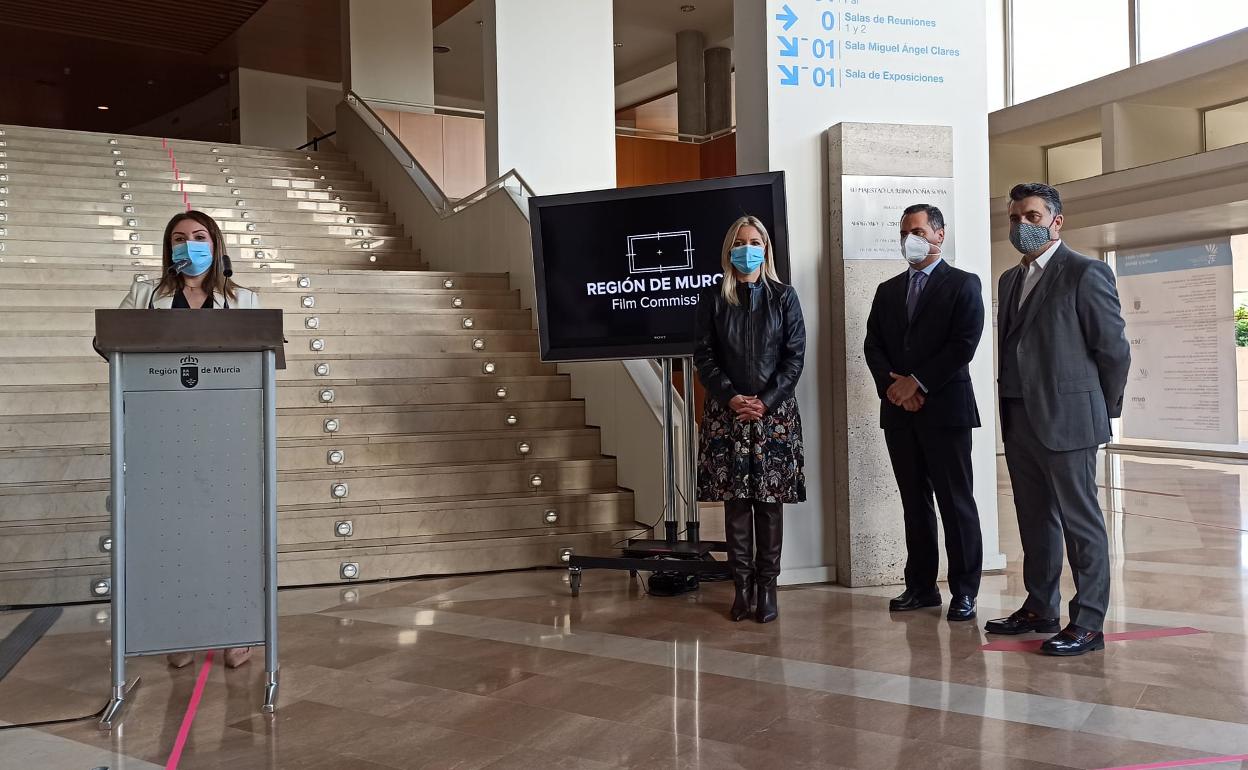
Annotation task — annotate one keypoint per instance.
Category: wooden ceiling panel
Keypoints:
(55, 73)
(184, 25)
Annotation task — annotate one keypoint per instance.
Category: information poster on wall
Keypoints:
(1178, 305)
(873, 206)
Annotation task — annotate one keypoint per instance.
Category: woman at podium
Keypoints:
(196, 270)
(196, 274)
(751, 342)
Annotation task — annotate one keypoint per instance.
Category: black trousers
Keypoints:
(750, 523)
(929, 461)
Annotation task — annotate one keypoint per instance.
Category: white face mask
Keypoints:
(915, 248)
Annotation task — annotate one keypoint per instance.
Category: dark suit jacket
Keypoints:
(936, 346)
(1073, 354)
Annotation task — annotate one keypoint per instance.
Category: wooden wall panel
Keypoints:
(654, 161)
(463, 143)
(421, 133)
(719, 157)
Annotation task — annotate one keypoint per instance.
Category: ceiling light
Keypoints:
(103, 107)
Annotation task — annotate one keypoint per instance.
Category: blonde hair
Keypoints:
(728, 287)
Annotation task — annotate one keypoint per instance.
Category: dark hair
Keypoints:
(934, 217)
(217, 280)
(1052, 200)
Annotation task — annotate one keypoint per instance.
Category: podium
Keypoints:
(193, 496)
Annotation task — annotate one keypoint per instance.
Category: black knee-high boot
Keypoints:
(738, 532)
(768, 533)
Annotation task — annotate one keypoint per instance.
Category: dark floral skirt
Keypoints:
(751, 460)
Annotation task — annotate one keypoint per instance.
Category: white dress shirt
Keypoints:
(1035, 271)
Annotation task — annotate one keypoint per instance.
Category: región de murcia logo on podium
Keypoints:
(190, 371)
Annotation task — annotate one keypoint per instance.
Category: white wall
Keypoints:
(1139, 134)
(272, 109)
(388, 49)
(784, 130)
(550, 92)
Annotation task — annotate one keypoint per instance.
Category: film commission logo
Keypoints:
(189, 371)
(657, 262)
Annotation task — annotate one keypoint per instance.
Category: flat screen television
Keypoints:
(619, 271)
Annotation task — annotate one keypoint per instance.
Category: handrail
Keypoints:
(676, 135)
(315, 140)
(423, 106)
(441, 203)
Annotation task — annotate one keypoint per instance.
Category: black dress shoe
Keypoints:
(1023, 622)
(1073, 640)
(961, 608)
(913, 600)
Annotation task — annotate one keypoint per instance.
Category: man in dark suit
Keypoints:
(1063, 361)
(922, 333)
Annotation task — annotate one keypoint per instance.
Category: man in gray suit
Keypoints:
(1063, 363)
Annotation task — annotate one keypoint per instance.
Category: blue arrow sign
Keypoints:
(788, 75)
(788, 45)
(788, 17)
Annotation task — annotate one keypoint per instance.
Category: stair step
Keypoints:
(486, 553)
(64, 430)
(76, 399)
(289, 299)
(57, 139)
(343, 322)
(21, 502)
(65, 175)
(34, 345)
(112, 215)
(320, 279)
(82, 463)
(78, 542)
(169, 203)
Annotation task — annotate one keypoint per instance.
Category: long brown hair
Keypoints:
(729, 285)
(216, 281)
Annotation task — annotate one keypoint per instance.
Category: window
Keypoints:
(1075, 160)
(1226, 125)
(1061, 43)
(1166, 26)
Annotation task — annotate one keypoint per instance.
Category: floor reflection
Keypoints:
(510, 671)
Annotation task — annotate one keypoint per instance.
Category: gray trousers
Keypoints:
(1056, 500)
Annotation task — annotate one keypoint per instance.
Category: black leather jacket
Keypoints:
(747, 352)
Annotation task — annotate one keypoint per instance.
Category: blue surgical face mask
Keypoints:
(192, 257)
(747, 258)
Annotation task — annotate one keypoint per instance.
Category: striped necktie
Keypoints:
(917, 281)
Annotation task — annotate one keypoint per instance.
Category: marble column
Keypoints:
(718, 65)
(690, 82)
(870, 539)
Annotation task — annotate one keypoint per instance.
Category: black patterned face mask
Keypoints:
(1027, 237)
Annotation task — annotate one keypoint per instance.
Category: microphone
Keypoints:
(227, 266)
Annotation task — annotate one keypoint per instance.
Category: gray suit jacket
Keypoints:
(1073, 354)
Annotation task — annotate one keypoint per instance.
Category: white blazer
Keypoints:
(141, 292)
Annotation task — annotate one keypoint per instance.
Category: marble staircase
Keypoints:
(421, 390)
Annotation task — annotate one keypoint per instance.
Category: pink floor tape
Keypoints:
(1031, 645)
(1183, 763)
(184, 732)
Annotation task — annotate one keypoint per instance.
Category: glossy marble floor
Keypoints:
(509, 671)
